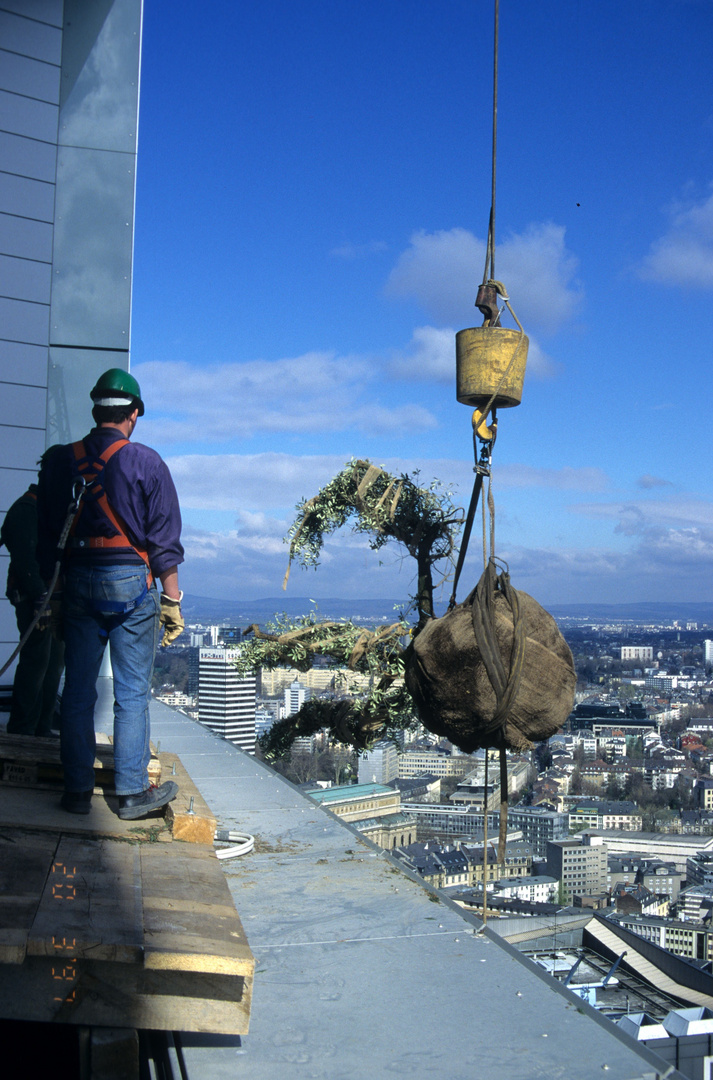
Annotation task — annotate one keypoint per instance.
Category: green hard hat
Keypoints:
(117, 387)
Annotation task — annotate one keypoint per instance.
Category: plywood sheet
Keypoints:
(91, 903)
(25, 864)
(190, 921)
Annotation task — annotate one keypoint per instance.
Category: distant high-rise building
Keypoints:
(380, 764)
(226, 699)
(295, 696)
(708, 645)
(229, 635)
(193, 670)
(197, 641)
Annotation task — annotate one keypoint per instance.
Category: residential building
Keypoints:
(226, 699)
(604, 814)
(637, 652)
(536, 889)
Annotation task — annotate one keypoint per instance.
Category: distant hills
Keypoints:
(208, 610)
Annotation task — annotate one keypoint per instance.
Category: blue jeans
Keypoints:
(133, 638)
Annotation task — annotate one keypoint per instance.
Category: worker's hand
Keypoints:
(42, 604)
(171, 618)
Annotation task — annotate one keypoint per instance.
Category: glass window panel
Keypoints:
(99, 93)
(91, 281)
(72, 374)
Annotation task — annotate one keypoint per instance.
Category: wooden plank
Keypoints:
(35, 809)
(25, 861)
(33, 753)
(188, 816)
(91, 903)
(105, 994)
(190, 921)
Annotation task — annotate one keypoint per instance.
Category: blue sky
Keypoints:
(312, 204)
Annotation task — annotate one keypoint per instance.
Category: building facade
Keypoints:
(580, 869)
(380, 764)
(226, 699)
(70, 82)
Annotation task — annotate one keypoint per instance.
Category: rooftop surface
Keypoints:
(363, 971)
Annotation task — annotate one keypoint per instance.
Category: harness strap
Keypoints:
(92, 470)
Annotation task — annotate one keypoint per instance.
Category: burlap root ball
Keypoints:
(448, 681)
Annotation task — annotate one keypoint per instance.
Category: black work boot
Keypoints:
(143, 804)
(77, 802)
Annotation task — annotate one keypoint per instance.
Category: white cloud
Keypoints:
(647, 481)
(258, 483)
(564, 479)
(642, 516)
(315, 393)
(684, 254)
(442, 270)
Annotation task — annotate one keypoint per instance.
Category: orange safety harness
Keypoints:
(91, 470)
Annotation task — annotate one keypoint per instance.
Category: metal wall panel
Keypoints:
(27, 157)
(48, 11)
(30, 77)
(8, 626)
(25, 238)
(23, 364)
(25, 279)
(12, 484)
(21, 321)
(21, 446)
(27, 198)
(35, 39)
(26, 116)
(23, 404)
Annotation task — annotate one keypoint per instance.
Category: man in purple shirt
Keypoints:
(125, 537)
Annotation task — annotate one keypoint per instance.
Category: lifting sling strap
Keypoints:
(91, 469)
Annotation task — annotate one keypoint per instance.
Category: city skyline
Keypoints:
(312, 201)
